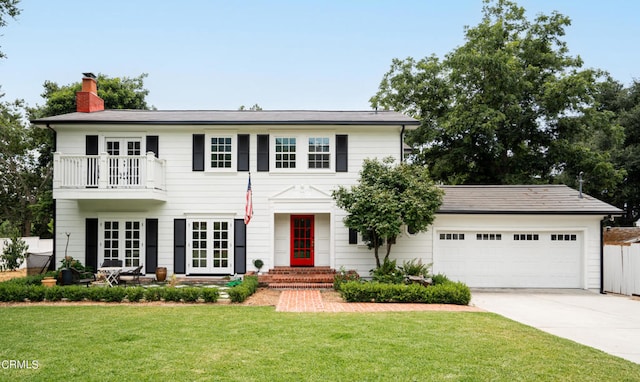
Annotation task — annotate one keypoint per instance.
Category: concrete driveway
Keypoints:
(610, 323)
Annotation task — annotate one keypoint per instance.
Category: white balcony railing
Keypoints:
(108, 172)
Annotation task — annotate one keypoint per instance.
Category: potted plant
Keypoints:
(65, 273)
(258, 264)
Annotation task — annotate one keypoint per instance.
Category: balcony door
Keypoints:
(124, 162)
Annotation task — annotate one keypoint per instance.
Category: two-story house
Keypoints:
(169, 188)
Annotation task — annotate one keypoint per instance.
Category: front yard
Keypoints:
(244, 343)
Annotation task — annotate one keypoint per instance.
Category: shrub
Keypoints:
(439, 279)
(75, 293)
(388, 273)
(210, 294)
(189, 294)
(243, 291)
(13, 252)
(54, 293)
(27, 280)
(447, 293)
(135, 294)
(415, 268)
(344, 276)
(153, 294)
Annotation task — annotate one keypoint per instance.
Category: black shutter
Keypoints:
(179, 246)
(240, 246)
(91, 148)
(91, 145)
(198, 152)
(151, 250)
(152, 144)
(243, 152)
(353, 236)
(342, 153)
(91, 243)
(263, 152)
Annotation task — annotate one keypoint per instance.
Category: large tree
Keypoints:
(21, 179)
(26, 152)
(387, 197)
(509, 106)
(8, 8)
(625, 103)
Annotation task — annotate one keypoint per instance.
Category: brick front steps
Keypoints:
(298, 278)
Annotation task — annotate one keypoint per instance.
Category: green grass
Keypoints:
(240, 343)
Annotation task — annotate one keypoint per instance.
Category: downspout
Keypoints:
(52, 264)
(602, 222)
(402, 144)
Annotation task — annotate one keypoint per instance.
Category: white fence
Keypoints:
(622, 269)
(36, 245)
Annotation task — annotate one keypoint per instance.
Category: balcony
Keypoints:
(125, 179)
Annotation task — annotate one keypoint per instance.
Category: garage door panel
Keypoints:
(510, 263)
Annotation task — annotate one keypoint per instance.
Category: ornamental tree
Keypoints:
(387, 197)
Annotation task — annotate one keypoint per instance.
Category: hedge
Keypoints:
(447, 293)
(19, 292)
(241, 292)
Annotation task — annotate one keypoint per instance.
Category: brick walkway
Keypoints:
(311, 301)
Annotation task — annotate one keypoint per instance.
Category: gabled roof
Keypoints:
(233, 117)
(534, 200)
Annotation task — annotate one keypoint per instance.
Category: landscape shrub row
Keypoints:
(446, 293)
(19, 292)
(241, 292)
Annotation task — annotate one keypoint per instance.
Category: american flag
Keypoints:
(248, 208)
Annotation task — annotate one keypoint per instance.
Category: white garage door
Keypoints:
(510, 259)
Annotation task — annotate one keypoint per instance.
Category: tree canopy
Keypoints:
(8, 8)
(509, 106)
(387, 197)
(26, 152)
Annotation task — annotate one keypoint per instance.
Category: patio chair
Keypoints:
(37, 263)
(112, 263)
(132, 276)
(82, 277)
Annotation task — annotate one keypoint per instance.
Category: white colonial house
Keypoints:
(168, 188)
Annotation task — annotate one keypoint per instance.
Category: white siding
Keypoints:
(208, 193)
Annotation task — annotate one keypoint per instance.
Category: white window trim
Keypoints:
(189, 244)
(104, 136)
(207, 150)
(302, 152)
(121, 237)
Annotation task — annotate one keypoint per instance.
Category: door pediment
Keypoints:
(301, 192)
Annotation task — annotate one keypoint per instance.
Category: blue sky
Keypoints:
(328, 55)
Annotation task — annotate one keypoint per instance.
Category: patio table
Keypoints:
(111, 273)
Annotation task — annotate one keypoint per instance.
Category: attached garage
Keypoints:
(519, 237)
(514, 259)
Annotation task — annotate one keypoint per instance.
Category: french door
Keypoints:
(122, 240)
(124, 161)
(210, 248)
(302, 240)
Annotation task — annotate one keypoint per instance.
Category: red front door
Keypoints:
(302, 240)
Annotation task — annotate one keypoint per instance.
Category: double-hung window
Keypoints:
(313, 152)
(285, 152)
(319, 152)
(220, 152)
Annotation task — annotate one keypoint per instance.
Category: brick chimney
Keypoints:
(87, 100)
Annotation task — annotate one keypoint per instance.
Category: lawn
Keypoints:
(241, 343)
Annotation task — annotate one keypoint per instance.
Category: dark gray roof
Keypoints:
(234, 117)
(538, 199)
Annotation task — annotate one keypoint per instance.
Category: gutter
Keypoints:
(402, 144)
(602, 222)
